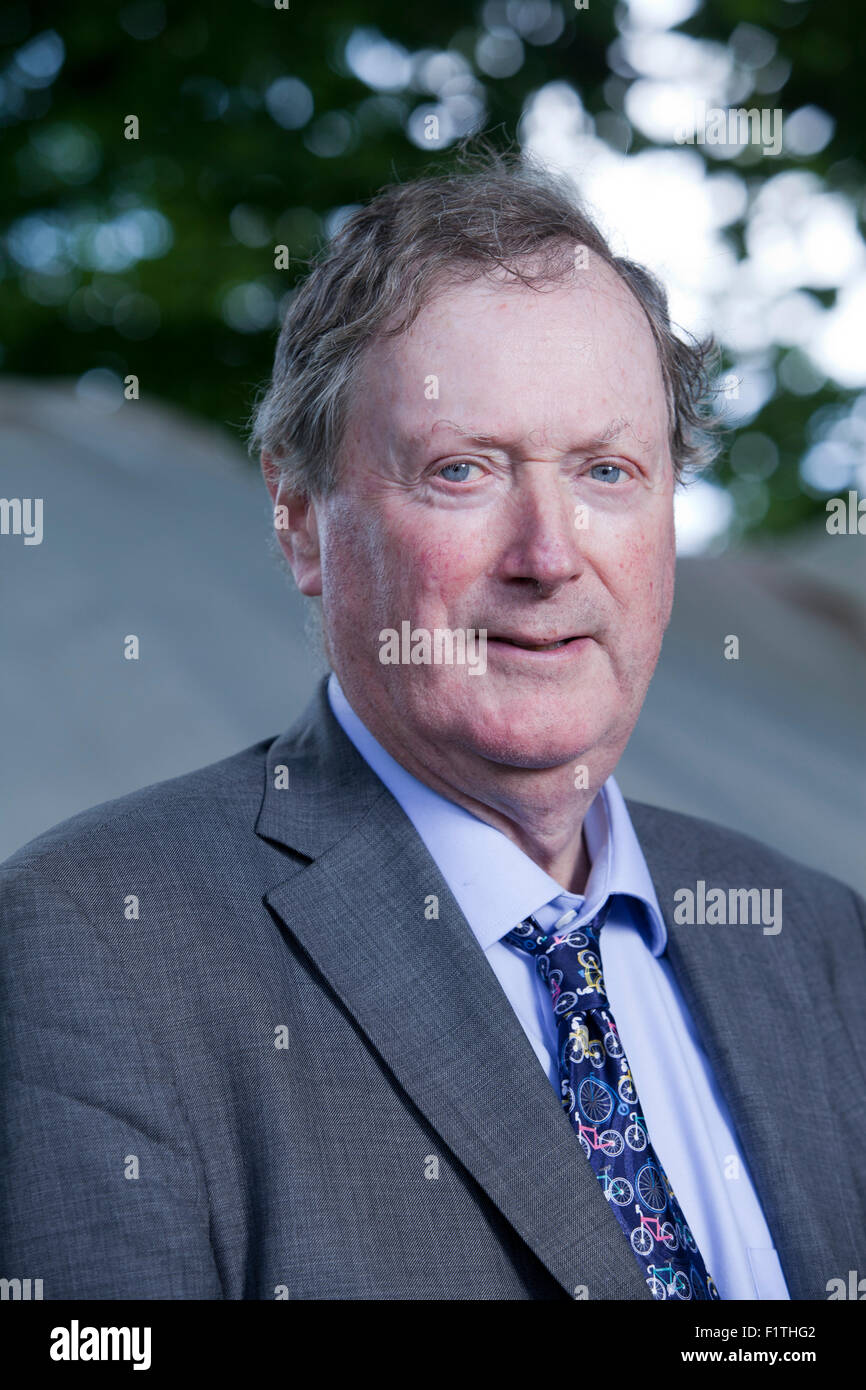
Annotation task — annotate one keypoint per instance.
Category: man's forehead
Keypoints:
(588, 283)
(620, 424)
(513, 425)
(596, 294)
(445, 429)
(584, 381)
(487, 412)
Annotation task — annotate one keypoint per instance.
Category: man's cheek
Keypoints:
(356, 561)
(637, 563)
(644, 583)
(666, 569)
(660, 593)
(442, 567)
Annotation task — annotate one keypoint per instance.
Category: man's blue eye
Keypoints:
(462, 464)
(602, 472)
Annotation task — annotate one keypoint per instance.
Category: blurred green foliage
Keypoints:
(168, 297)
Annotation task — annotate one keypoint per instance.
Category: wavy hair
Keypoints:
(490, 211)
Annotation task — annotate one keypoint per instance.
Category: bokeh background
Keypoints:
(262, 125)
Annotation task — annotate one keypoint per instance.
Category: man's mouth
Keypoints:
(532, 646)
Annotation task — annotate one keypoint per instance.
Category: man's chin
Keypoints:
(543, 726)
(532, 745)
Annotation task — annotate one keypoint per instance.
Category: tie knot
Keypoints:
(568, 959)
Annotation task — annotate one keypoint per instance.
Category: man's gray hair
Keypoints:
(490, 212)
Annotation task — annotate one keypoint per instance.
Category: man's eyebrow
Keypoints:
(476, 436)
(611, 431)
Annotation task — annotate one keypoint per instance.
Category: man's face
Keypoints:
(461, 511)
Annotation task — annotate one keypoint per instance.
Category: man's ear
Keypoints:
(296, 528)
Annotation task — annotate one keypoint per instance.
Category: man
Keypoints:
(402, 1003)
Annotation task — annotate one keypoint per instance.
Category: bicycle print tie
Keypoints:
(599, 1094)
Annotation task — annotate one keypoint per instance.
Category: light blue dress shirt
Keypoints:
(496, 886)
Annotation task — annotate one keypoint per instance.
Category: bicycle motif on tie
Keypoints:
(600, 1097)
(651, 1188)
(627, 1092)
(644, 1236)
(578, 1045)
(610, 1141)
(666, 1282)
(597, 1101)
(688, 1242)
(591, 972)
(565, 1001)
(575, 939)
(611, 1036)
(618, 1190)
(636, 1133)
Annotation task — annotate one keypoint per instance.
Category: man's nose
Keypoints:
(547, 526)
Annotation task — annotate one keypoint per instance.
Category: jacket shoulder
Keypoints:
(691, 845)
(130, 826)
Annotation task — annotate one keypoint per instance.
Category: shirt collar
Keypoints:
(494, 883)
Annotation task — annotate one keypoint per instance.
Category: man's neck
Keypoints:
(539, 809)
(546, 826)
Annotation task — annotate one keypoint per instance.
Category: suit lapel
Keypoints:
(427, 1000)
(755, 1012)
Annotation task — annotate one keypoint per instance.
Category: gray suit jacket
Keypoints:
(234, 1045)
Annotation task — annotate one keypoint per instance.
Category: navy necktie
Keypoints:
(599, 1094)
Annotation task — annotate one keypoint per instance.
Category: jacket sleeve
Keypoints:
(102, 1193)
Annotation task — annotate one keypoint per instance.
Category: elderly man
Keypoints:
(408, 1002)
